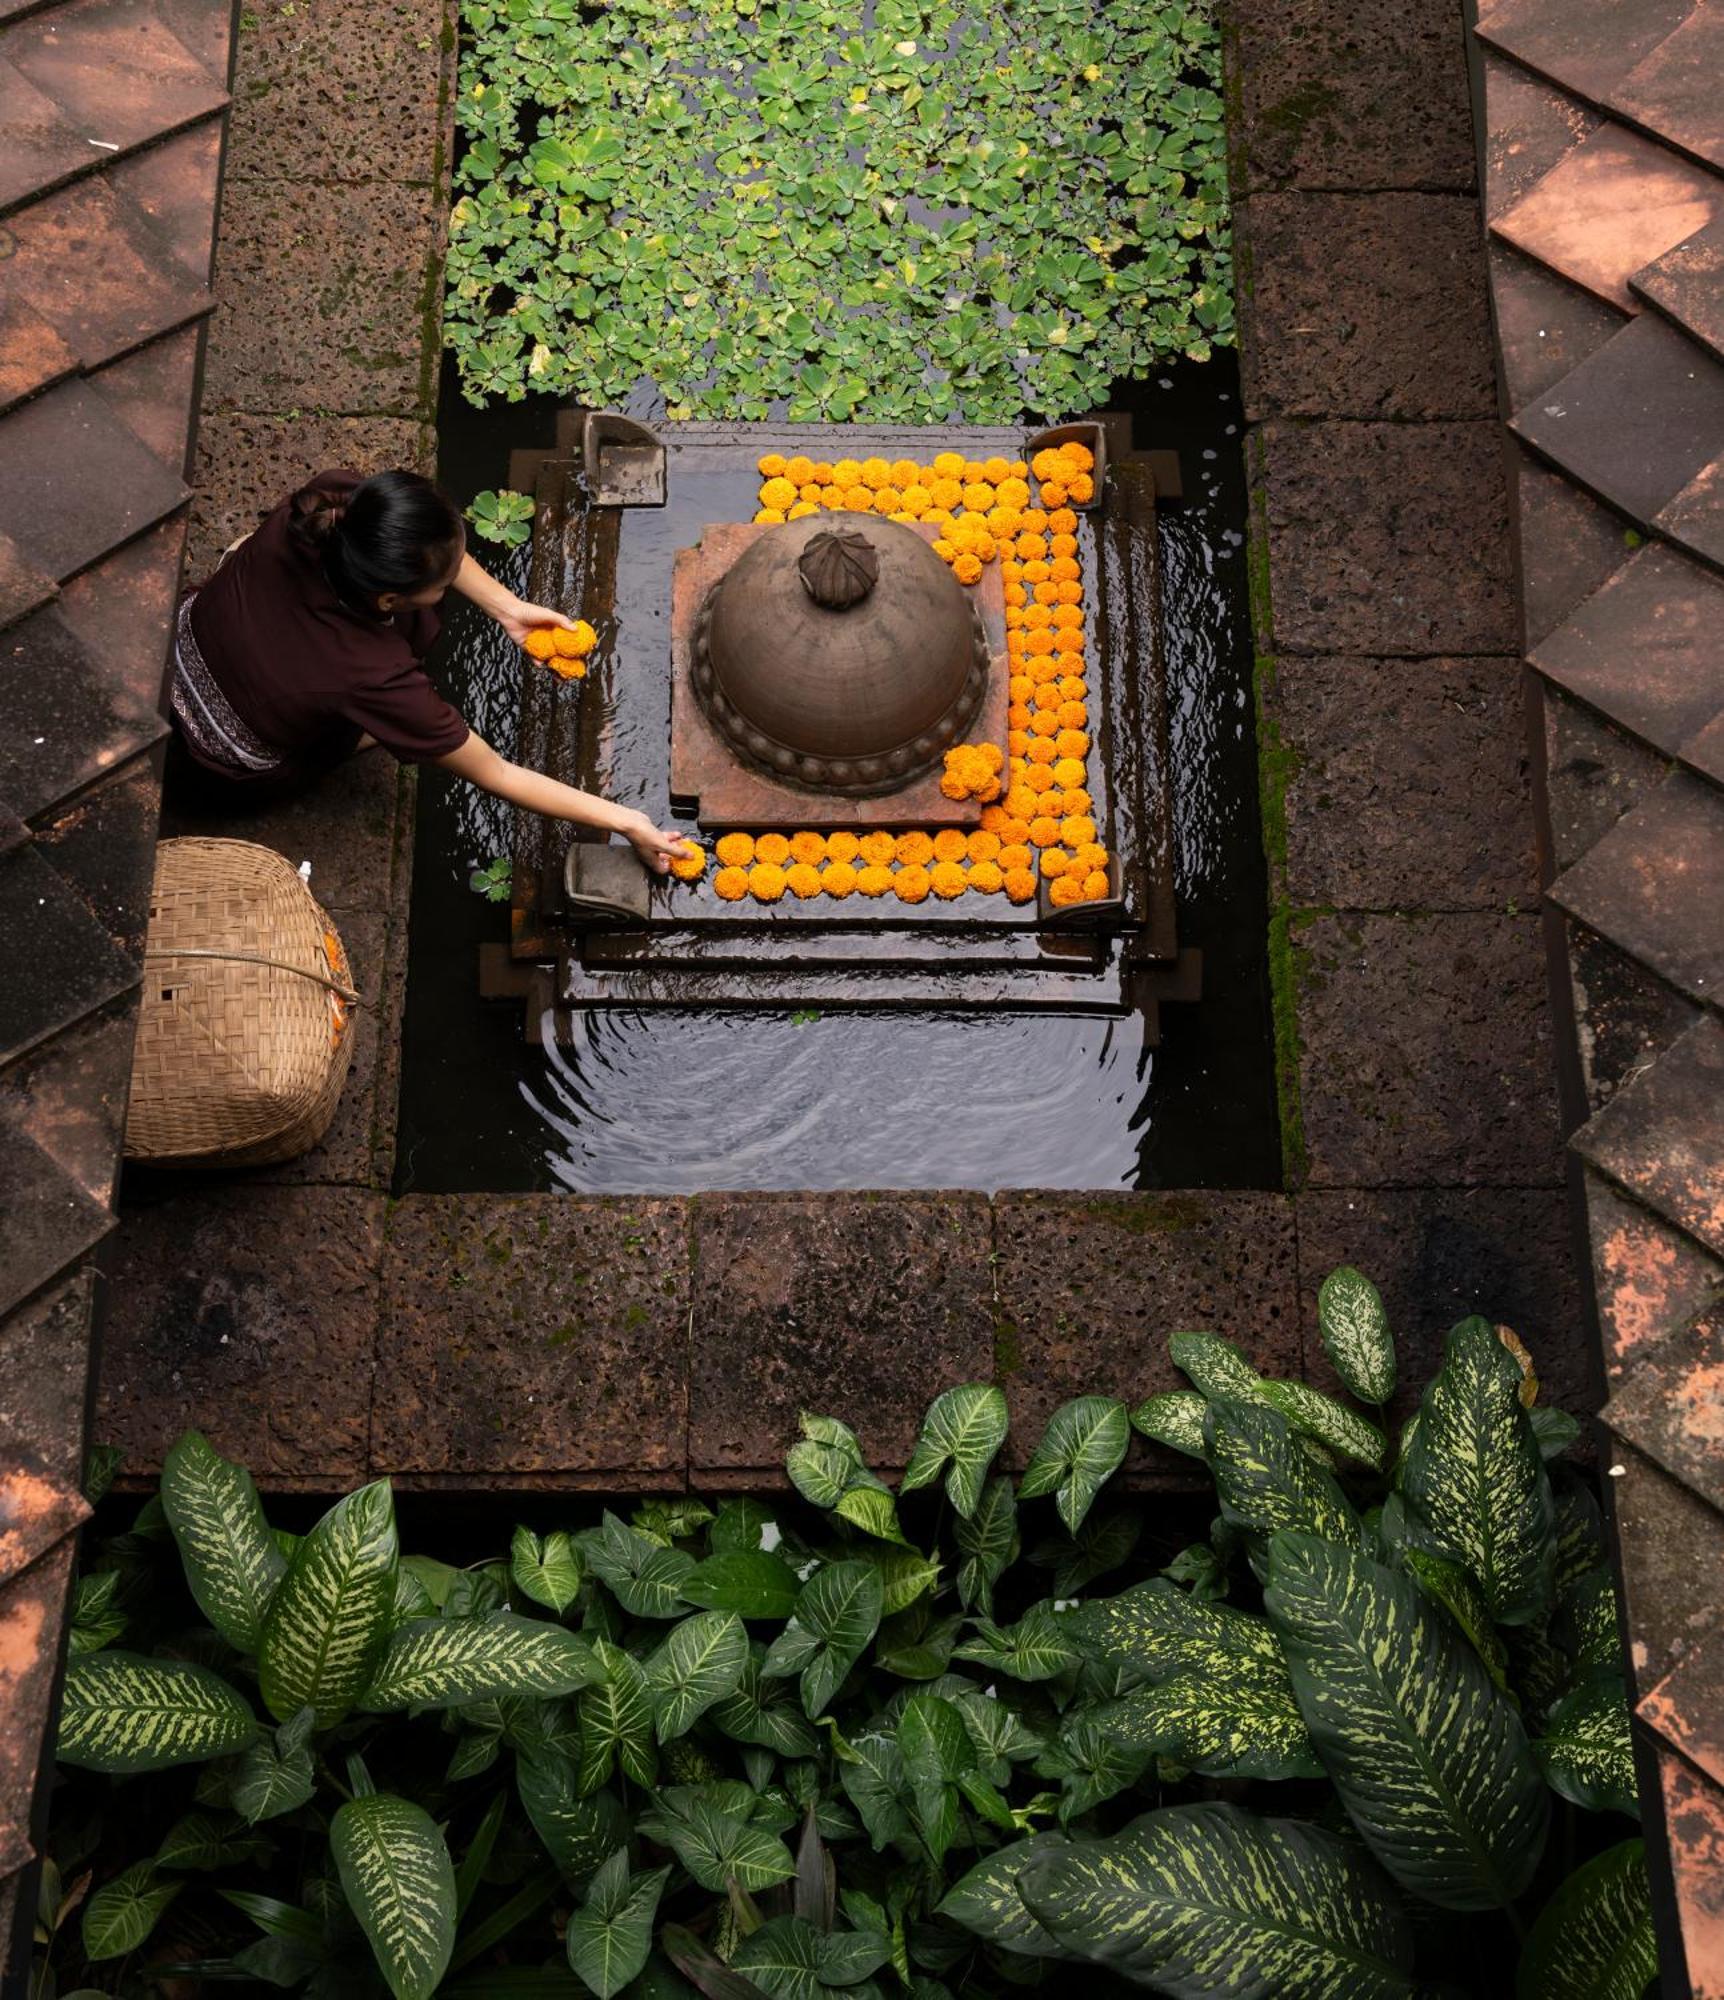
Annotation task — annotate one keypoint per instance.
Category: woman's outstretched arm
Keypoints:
(516, 617)
(477, 762)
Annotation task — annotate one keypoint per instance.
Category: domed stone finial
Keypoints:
(838, 568)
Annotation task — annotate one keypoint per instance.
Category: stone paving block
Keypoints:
(1545, 327)
(1625, 1017)
(1668, 1406)
(344, 1155)
(1372, 95)
(1594, 773)
(542, 1334)
(1671, 1600)
(323, 292)
(863, 1306)
(1437, 1255)
(1388, 538)
(1426, 1054)
(1092, 1285)
(1529, 127)
(1408, 785)
(1569, 545)
(310, 75)
(247, 464)
(1649, 1280)
(249, 1313)
(1662, 1136)
(1365, 306)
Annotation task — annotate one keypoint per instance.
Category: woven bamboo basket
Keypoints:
(246, 1030)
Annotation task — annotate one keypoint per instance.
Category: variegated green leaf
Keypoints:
(1453, 1588)
(988, 1543)
(1156, 1630)
(1214, 1366)
(873, 1510)
(1091, 1763)
(1174, 1418)
(1355, 1333)
(962, 1431)
(610, 1937)
(329, 1619)
(872, 1774)
(645, 1577)
(400, 1883)
(700, 1662)
(616, 1722)
(905, 1576)
(1332, 1424)
(749, 1582)
(444, 1662)
(1585, 1751)
(1103, 1543)
(121, 1713)
(936, 1751)
(1082, 1448)
(275, 1775)
(1206, 1901)
(986, 1900)
(1586, 1620)
(1428, 1757)
(1580, 1543)
(123, 1912)
(1474, 1477)
(232, 1563)
(1037, 1648)
(1594, 1940)
(837, 1613)
(716, 1845)
(576, 1831)
(202, 1841)
(547, 1569)
(1265, 1482)
(789, 1959)
(764, 1712)
(1225, 1729)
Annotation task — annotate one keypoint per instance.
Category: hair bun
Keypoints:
(317, 513)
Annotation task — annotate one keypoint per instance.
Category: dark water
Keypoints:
(678, 1102)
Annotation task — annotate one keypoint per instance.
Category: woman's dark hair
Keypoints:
(393, 532)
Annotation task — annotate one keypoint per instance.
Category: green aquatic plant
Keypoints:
(907, 210)
(1366, 1739)
(494, 880)
(505, 517)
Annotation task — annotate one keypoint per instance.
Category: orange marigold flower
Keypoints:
(873, 880)
(967, 568)
(1062, 521)
(1044, 830)
(802, 880)
(1030, 547)
(810, 492)
(1073, 714)
(730, 885)
(1036, 572)
(772, 465)
(1047, 593)
(1044, 670)
(1055, 862)
(735, 850)
(1047, 694)
(1087, 855)
(1063, 545)
(1067, 617)
(568, 670)
(1076, 800)
(947, 880)
(1039, 778)
(911, 885)
(808, 847)
(1046, 464)
(887, 500)
(1016, 596)
(838, 879)
(1020, 885)
(575, 645)
(832, 498)
(1069, 593)
(905, 472)
(1017, 742)
(798, 469)
(979, 497)
(945, 550)
(1045, 726)
(1003, 521)
(1019, 687)
(990, 756)
(949, 464)
(949, 844)
(1015, 617)
(778, 493)
(995, 469)
(878, 849)
(1053, 495)
(766, 882)
(773, 848)
(690, 864)
(1070, 664)
(1078, 456)
(859, 499)
(770, 517)
(1073, 688)
(916, 499)
(1066, 891)
(994, 818)
(946, 493)
(1040, 752)
(801, 510)
(1012, 492)
(821, 473)
(1040, 641)
(952, 786)
(1016, 854)
(1016, 827)
(914, 849)
(982, 845)
(540, 643)
(1068, 773)
(876, 472)
(986, 878)
(847, 472)
(1038, 617)
(1074, 742)
(843, 846)
(1065, 569)
(1095, 885)
(1081, 488)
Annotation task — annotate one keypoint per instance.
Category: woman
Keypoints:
(307, 642)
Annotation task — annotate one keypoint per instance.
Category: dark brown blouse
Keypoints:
(305, 672)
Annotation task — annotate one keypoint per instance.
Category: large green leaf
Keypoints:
(610, 1936)
(1082, 1448)
(790, 1959)
(1343, 1431)
(1206, 1900)
(765, 1712)
(645, 1576)
(1428, 1757)
(576, 1830)
(121, 1713)
(936, 1751)
(329, 1620)
(1355, 1333)
(275, 1775)
(699, 1663)
(1225, 1729)
(1594, 1940)
(547, 1569)
(1586, 1752)
(1039, 1646)
(986, 1900)
(201, 1842)
(837, 1613)
(1173, 1418)
(751, 1583)
(962, 1431)
(616, 1722)
(1453, 1588)
(232, 1563)
(872, 1774)
(444, 1662)
(1092, 1763)
(717, 1844)
(1265, 1482)
(400, 1883)
(988, 1543)
(1156, 1630)
(1214, 1366)
(123, 1912)
(1474, 1476)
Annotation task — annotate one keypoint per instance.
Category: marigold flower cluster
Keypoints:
(565, 653)
(973, 772)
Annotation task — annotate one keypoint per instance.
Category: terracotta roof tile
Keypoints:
(1570, 545)
(1694, 1826)
(46, 1220)
(1585, 46)
(1529, 126)
(1695, 518)
(116, 70)
(1687, 284)
(38, 145)
(32, 354)
(1674, 90)
(32, 1607)
(174, 185)
(43, 1371)
(1662, 1137)
(23, 587)
(1650, 1279)
(151, 391)
(1546, 327)
(67, 722)
(121, 607)
(1672, 1407)
(1687, 1706)
(71, 967)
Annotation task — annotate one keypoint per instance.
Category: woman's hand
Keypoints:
(518, 619)
(658, 850)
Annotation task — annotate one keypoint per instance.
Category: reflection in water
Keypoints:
(683, 1101)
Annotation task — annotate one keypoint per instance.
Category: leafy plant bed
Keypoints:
(822, 209)
(966, 1737)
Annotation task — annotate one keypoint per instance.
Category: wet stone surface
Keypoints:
(1345, 322)
(538, 1334)
(1427, 1057)
(251, 1314)
(861, 1306)
(1407, 783)
(1092, 1285)
(1625, 1017)
(1387, 538)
